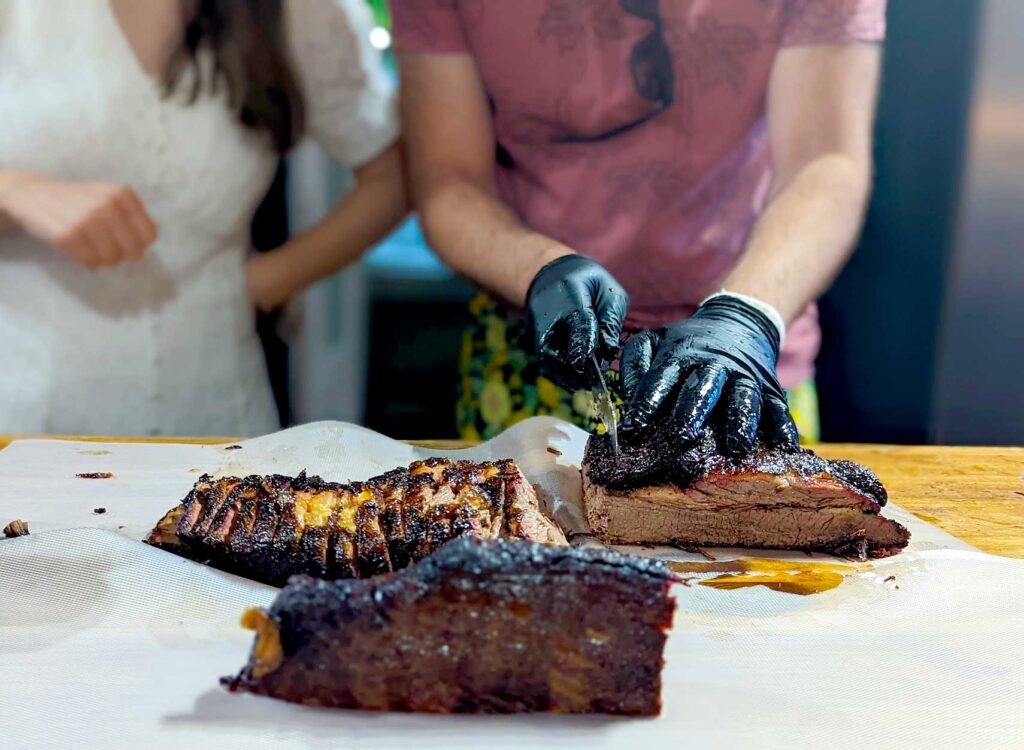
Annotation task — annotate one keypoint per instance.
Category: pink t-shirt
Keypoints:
(634, 130)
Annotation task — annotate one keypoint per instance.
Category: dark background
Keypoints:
(881, 320)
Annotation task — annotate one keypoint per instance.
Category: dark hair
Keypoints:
(246, 41)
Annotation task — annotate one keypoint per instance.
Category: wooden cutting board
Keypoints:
(976, 494)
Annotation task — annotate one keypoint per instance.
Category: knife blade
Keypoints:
(606, 406)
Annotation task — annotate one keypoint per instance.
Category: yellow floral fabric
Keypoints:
(500, 384)
(803, 405)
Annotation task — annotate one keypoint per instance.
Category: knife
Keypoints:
(606, 406)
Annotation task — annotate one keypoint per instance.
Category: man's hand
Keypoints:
(725, 353)
(93, 223)
(576, 310)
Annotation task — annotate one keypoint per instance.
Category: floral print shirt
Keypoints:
(634, 130)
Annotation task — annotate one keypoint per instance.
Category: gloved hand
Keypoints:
(576, 310)
(726, 352)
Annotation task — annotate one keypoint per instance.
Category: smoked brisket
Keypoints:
(477, 627)
(698, 497)
(271, 527)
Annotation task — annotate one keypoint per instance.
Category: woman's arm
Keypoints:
(360, 219)
(7, 178)
(821, 106)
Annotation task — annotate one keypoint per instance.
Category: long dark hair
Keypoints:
(246, 41)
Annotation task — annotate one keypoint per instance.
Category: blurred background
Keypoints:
(923, 332)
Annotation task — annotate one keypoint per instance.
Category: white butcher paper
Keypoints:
(107, 642)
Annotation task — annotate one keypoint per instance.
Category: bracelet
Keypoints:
(760, 305)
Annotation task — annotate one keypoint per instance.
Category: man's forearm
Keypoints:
(805, 236)
(447, 121)
(481, 238)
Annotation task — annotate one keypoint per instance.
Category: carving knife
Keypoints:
(606, 406)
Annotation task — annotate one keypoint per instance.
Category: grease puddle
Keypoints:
(786, 576)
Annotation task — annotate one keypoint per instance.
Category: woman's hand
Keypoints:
(96, 224)
(268, 279)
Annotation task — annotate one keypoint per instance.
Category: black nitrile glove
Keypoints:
(575, 309)
(726, 352)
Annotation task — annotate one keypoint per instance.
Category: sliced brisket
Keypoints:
(654, 493)
(477, 627)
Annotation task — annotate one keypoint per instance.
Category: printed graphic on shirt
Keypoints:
(569, 22)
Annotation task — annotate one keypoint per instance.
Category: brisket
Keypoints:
(271, 527)
(477, 627)
(699, 497)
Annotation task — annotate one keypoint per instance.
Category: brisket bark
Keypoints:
(271, 527)
(477, 627)
(655, 493)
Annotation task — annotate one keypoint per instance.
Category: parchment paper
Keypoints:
(39, 483)
(105, 642)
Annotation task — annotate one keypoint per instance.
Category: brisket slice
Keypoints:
(271, 527)
(478, 627)
(698, 497)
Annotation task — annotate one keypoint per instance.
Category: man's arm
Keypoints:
(821, 105)
(451, 156)
(574, 306)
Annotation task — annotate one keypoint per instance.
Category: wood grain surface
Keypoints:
(976, 494)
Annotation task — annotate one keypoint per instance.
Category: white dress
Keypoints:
(166, 345)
